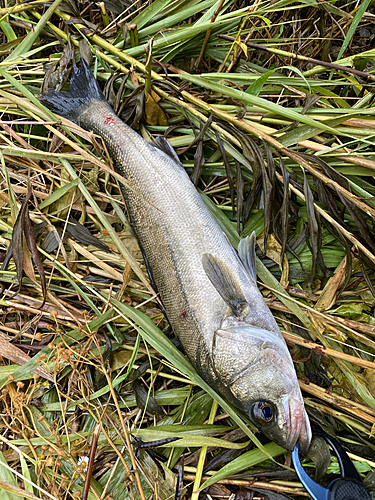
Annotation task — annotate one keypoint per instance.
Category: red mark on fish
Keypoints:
(109, 120)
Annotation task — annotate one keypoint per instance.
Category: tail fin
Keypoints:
(83, 88)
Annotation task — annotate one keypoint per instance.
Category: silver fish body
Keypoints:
(209, 293)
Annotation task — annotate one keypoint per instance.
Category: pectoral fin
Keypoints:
(246, 252)
(225, 282)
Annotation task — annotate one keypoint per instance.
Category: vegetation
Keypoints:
(270, 108)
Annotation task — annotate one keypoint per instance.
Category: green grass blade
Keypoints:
(30, 39)
(353, 26)
(56, 195)
(245, 461)
(8, 31)
(256, 101)
(7, 477)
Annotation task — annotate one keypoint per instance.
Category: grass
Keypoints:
(93, 367)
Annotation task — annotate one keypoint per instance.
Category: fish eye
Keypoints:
(263, 413)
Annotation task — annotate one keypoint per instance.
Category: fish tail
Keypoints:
(83, 89)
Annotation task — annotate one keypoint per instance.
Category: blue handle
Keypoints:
(348, 487)
(316, 491)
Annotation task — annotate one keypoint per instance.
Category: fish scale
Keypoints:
(209, 293)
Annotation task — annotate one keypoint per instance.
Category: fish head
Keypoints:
(260, 380)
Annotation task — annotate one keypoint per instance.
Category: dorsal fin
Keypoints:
(164, 145)
(225, 282)
(246, 252)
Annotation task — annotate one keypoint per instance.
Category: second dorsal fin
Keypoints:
(246, 252)
(164, 145)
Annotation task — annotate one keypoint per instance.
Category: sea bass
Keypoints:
(208, 290)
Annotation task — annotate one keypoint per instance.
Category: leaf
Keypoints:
(329, 293)
(59, 193)
(14, 492)
(299, 72)
(150, 12)
(6, 47)
(264, 18)
(240, 195)
(144, 399)
(57, 73)
(199, 161)
(187, 439)
(12, 198)
(256, 87)
(206, 429)
(154, 113)
(22, 228)
(228, 169)
(26, 473)
(196, 412)
(369, 375)
(156, 13)
(11, 36)
(315, 231)
(268, 279)
(320, 455)
(243, 46)
(51, 241)
(17, 239)
(120, 358)
(83, 235)
(30, 240)
(6, 477)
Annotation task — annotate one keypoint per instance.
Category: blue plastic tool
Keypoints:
(348, 487)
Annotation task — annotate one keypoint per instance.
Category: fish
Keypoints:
(208, 289)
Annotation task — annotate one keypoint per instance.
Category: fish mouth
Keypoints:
(298, 425)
